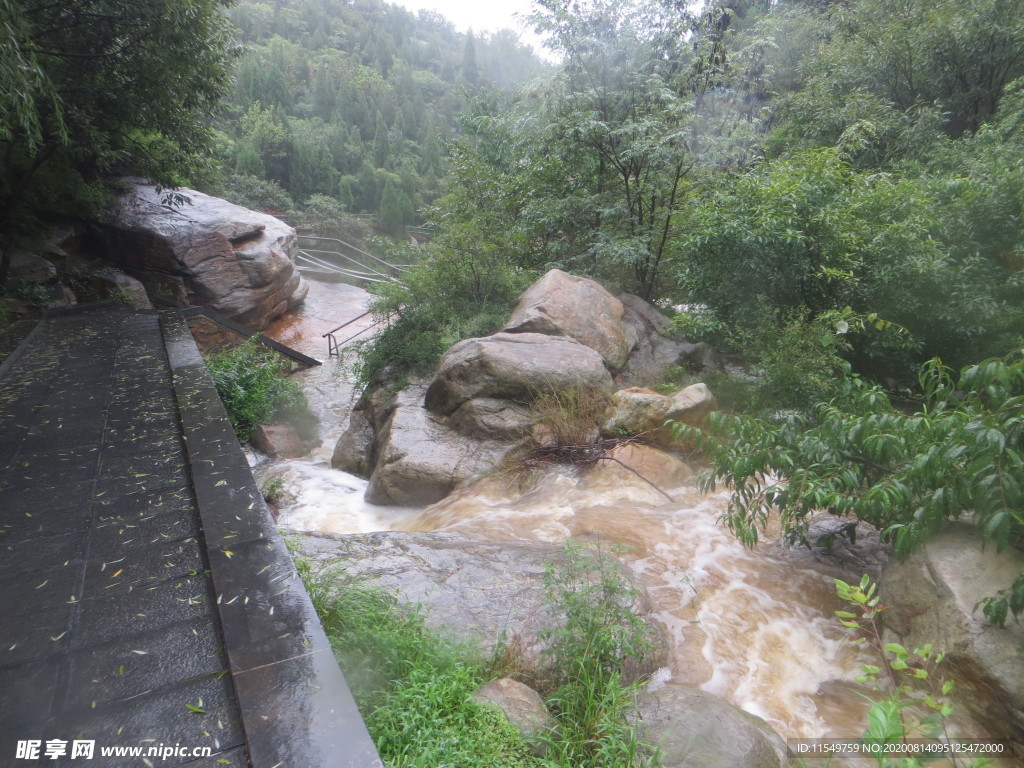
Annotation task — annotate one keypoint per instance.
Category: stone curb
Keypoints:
(295, 705)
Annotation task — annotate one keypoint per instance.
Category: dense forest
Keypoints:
(353, 102)
(833, 191)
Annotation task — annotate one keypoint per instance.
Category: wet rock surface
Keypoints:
(651, 351)
(560, 304)
(696, 729)
(639, 411)
(516, 367)
(933, 596)
(208, 252)
(852, 545)
(419, 460)
(478, 591)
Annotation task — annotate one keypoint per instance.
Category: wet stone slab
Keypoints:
(108, 626)
(149, 599)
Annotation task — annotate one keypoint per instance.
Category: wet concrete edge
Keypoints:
(296, 707)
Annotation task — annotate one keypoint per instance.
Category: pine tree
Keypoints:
(395, 207)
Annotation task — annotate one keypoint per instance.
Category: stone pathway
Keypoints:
(123, 620)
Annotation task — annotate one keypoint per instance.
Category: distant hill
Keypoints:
(355, 100)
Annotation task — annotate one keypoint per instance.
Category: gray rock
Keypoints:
(209, 252)
(932, 596)
(639, 411)
(650, 353)
(560, 304)
(420, 460)
(831, 542)
(696, 729)
(353, 451)
(475, 591)
(280, 441)
(516, 367)
(523, 707)
(30, 268)
(489, 418)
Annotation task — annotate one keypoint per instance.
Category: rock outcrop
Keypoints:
(207, 252)
(477, 591)
(933, 595)
(567, 333)
(696, 729)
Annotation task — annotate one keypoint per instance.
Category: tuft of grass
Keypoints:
(570, 417)
(587, 655)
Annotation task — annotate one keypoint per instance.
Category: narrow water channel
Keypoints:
(755, 627)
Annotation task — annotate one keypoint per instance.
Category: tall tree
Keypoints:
(470, 70)
(102, 86)
(618, 125)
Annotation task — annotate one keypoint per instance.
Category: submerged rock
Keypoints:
(696, 729)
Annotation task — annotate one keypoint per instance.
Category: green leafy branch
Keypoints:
(961, 454)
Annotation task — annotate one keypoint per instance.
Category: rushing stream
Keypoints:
(755, 627)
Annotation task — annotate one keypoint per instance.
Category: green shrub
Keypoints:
(908, 678)
(251, 382)
(448, 297)
(961, 454)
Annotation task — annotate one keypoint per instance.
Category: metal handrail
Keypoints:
(333, 345)
(354, 248)
(341, 270)
(349, 258)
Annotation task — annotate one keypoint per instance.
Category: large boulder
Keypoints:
(207, 252)
(696, 729)
(516, 367)
(29, 267)
(560, 304)
(475, 591)
(419, 460)
(933, 595)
